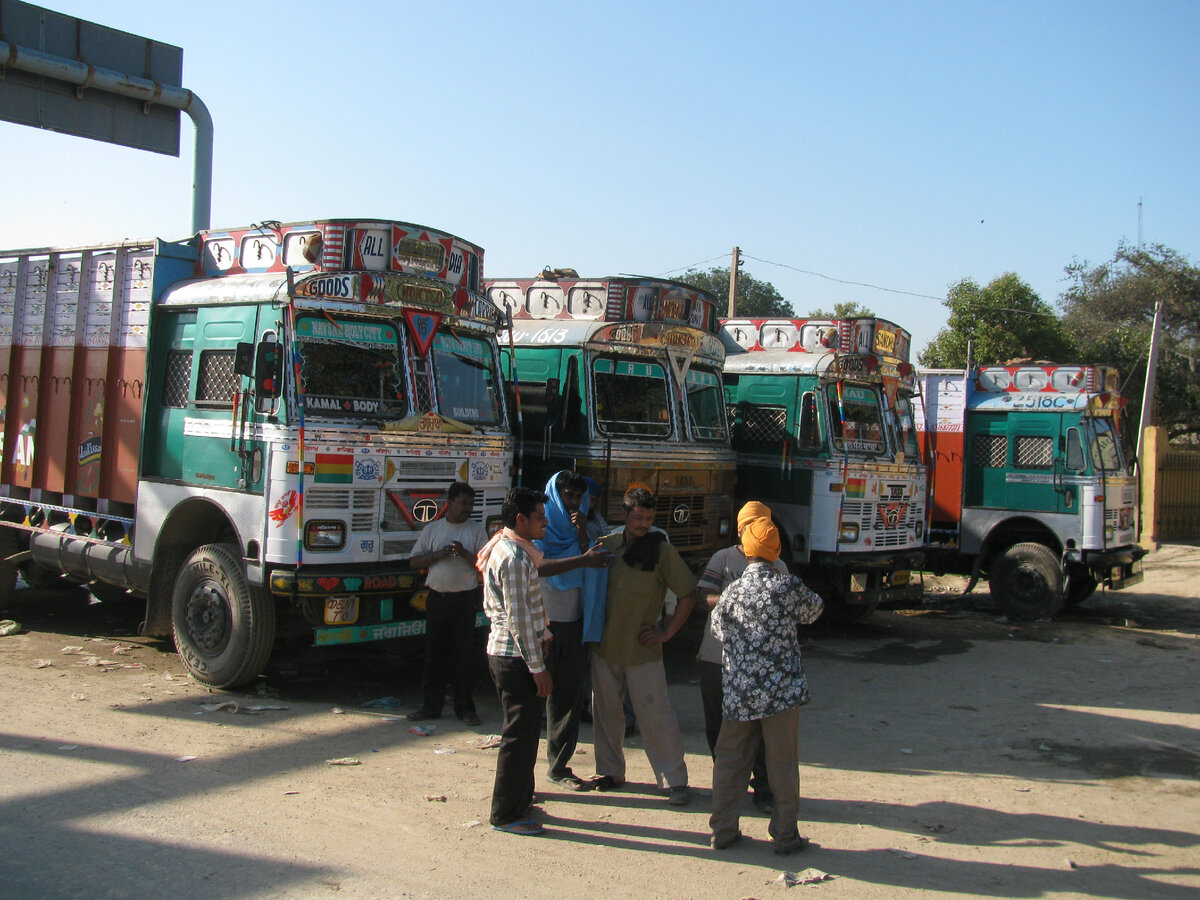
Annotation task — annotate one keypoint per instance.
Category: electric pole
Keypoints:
(733, 274)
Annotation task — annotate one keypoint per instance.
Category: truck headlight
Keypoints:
(324, 534)
(723, 527)
(1109, 533)
(849, 532)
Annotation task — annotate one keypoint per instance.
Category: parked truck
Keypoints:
(1032, 484)
(248, 428)
(620, 378)
(823, 428)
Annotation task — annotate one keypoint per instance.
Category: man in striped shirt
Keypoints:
(512, 601)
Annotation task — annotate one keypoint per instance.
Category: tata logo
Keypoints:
(425, 511)
(891, 513)
(681, 515)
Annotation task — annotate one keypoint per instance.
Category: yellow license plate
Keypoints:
(341, 610)
(899, 578)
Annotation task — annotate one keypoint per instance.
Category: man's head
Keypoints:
(571, 487)
(524, 511)
(638, 505)
(460, 500)
(752, 510)
(760, 538)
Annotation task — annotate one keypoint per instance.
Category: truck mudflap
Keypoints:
(1117, 569)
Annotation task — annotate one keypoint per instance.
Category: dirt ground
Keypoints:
(946, 752)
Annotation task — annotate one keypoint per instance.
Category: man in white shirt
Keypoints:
(447, 547)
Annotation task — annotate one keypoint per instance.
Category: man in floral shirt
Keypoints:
(763, 681)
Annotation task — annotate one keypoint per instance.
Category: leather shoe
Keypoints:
(607, 783)
(421, 715)
(470, 718)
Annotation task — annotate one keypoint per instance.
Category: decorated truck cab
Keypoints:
(822, 416)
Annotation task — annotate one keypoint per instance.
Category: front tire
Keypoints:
(1027, 582)
(224, 626)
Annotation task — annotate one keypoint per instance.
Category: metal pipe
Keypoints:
(26, 59)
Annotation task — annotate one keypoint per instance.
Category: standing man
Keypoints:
(447, 548)
(725, 567)
(565, 597)
(629, 655)
(764, 687)
(517, 643)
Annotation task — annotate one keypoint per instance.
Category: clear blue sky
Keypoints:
(900, 145)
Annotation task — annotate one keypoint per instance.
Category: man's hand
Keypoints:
(597, 558)
(652, 634)
(544, 683)
(579, 520)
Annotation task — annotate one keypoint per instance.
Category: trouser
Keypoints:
(736, 749)
(647, 687)
(712, 696)
(516, 756)
(566, 661)
(450, 653)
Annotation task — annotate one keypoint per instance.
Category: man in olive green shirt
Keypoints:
(629, 655)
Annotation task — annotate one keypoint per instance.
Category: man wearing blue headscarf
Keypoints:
(567, 596)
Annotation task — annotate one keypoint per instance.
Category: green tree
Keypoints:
(1109, 312)
(759, 299)
(846, 309)
(1003, 321)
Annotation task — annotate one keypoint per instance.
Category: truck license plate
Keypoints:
(901, 577)
(341, 610)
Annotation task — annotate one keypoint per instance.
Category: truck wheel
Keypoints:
(1027, 582)
(10, 544)
(224, 627)
(1080, 586)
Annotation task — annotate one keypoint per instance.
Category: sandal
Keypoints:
(525, 827)
(571, 782)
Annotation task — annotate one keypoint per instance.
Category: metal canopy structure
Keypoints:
(76, 77)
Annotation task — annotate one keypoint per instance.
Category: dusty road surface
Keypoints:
(946, 752)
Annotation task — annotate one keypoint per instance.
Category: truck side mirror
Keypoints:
(809, 435)
(268, 368)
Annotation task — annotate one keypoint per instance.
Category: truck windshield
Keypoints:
(706, 404)
(467, 383)
(855, 420)
(631, 397)
(1106, 446)
(350, 367)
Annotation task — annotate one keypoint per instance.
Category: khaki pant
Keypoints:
(647, 686)
(736, 748)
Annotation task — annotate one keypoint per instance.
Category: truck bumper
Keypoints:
(875, 578)
(1115, 569)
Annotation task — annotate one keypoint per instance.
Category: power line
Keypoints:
(692, 266)
(874, 287)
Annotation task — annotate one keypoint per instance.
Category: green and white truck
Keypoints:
(248, 428)
(1032, 484)
(823, 428)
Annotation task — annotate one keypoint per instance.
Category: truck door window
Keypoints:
(350, 367)
(468, 386)
(855, 419)
(177, 381)
(988, 451)
(631, 397)
(705, 404)
(1033, 451)
(810, 434)
(1075, 460)
(216, 382)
